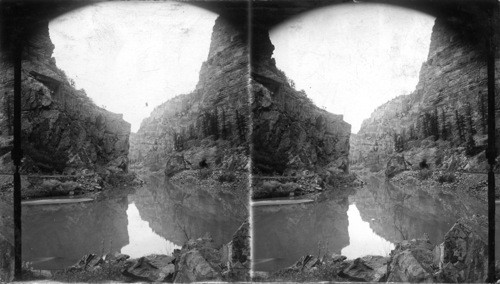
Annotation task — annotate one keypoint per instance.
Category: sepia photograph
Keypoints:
(249, 141)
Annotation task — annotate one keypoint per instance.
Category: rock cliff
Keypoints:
(63, 131)
(290, 133)
(444, 121)
(208, 127)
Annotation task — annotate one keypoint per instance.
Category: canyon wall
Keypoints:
(63, 131)
(444, 121)
(290, 133)
(208, 127)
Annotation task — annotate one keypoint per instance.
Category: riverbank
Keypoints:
(461, 257)
(469, 185)
(306, 185)
(87, 184)
(197, 260)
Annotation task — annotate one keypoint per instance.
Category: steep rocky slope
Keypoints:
(208, 127)
(290, 133)
(63, 131)
(444, 121)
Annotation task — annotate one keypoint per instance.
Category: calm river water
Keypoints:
(367, 222)
(156, 218)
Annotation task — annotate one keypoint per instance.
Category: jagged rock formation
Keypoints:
(290, 133)
(445, 119)
(208, 127)
(461, 258)
(63, 131)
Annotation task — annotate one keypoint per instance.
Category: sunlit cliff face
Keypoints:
(352, 58)
(131, 57)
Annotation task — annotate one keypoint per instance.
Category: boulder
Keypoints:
(116, 257)
(336, 258)
(198, 260)
(412, 261)
(156, 268)
(305, 263)
(89, 262)
(464, 256)
(192, 267)
(239, 261)
(175, 163)
(369, 268)
(395, 165)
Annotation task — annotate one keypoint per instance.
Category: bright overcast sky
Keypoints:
(352, 58)
(126, 55)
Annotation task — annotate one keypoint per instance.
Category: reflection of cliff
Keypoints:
(68, 232)
(174, 212)
(405, 213)
(286, 233)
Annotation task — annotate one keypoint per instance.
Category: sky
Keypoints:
(352, 58)
(130, 57)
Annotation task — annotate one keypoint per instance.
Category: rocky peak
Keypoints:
(290, 133)
(444, 121)
(63, 131)
(209, 125)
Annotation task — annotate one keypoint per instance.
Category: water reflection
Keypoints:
(143, 240)
(362, 239)
(155, 218)
(398, 213)
(179, 213)
(55, 236)
(282, 234)
(369, 221)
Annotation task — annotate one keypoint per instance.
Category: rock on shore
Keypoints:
(461, 257)
(197, 260)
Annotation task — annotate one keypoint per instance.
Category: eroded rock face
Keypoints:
(463, 255)
(63, 131)
(370, 268)
(208, 127)
(395, 165)
(445, 119)
(239, 261)
(412, 261)
(290, 133)
(199, 260)
(153, 268)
